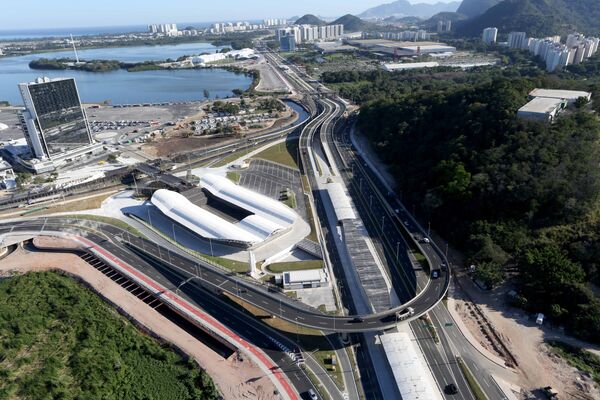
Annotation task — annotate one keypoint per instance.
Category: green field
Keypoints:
(295, 266)
(59, 340)
(284, 153)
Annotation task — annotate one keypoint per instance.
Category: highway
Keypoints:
(267, 298)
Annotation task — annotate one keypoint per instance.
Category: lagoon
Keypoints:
(122, 87)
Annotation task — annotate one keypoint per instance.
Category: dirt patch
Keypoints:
(537, 364)
(236, 380)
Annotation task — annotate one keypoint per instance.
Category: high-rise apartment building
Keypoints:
(517, 40)
(54, 121)
(490, 35)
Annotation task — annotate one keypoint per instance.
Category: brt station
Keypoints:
(222, 219)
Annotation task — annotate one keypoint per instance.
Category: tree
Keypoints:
(549, 267)
(580, 102)
(489, 273)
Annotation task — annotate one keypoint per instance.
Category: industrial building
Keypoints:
(54, 122)
(402, 49)
(542, 109)
(546, 104)
(569, 95)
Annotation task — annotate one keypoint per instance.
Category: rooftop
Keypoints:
(409, 372)
(541, 105)
(559, 94)
(309, 275)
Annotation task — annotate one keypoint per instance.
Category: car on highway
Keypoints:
(357, 320)
(312, 395)
(451, 389)
(435, 274)
(426, 240)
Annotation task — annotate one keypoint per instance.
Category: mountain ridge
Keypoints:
(402, 8)
(538, 17)
(475, 8)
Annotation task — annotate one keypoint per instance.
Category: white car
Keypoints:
(312, 395)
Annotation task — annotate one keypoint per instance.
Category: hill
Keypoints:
(402, 8)
(444, 16)
(352, 23)
(310, 19)
(474, 8)
(538, 17)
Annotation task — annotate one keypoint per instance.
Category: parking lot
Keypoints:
(270, 179)
(9, 117)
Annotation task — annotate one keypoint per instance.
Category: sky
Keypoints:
(39, 14)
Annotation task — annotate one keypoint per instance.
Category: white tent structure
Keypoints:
(263, 206)
(251, 230)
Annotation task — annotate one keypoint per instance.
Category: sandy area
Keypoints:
(538, 366)
(235, 380)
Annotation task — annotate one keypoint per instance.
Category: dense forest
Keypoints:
(58, 340)
(520, 198)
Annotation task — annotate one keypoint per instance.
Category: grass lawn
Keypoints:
(91, 203)
(471, 381)
(421, 259)
(232, 265)
(234, 177)
(285, 153)
(291, 200)
(59, 340)
(231, 158)
(295, 266)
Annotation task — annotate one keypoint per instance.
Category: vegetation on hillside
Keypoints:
(310, 19)
(519, 197)
(58, 340)
(537, 17)
(352, 23)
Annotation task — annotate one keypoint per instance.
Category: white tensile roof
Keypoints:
(412, 377)
(341, 202)
(198, 220)
(256, 203)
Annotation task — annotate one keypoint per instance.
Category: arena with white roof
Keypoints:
(268, 217)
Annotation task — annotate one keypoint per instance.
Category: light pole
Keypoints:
(211, 248)
(382, 221)
(174, 235)
(398, 251)
(429, 229)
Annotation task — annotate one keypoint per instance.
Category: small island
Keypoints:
(93, 65)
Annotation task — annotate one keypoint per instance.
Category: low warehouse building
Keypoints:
(313, 278)
(569, 95)
(542, 109)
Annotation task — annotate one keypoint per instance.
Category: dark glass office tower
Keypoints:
(55, 121)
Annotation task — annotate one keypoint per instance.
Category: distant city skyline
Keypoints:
(39, 14)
